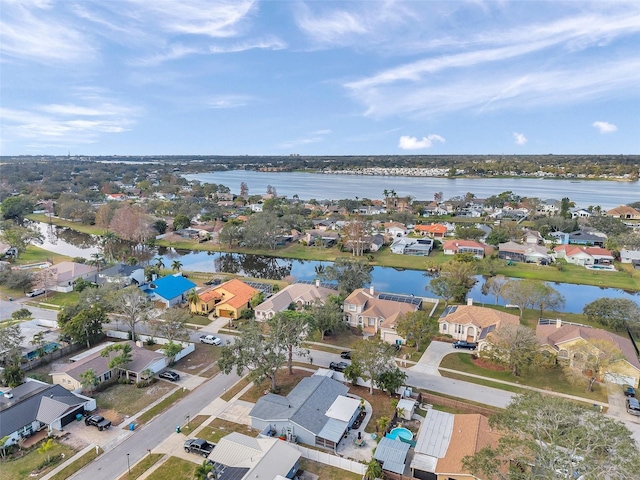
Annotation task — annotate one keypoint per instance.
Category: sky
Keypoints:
(278, 77)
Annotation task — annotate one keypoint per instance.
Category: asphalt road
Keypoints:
(113, 463)
(7, 308)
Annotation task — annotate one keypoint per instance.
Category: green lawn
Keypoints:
(128, 400)
(142, 466)
(77, 464)
(199, 320)
(219, 428)
(22, 467)
(553, 379)
(194, 423)
(327, 472)
(173, 469)
(161, 406)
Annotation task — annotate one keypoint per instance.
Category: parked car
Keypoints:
(170, 375)
(628, 390)
(633, 406)
(338, 366)
(464, 344)
(346, 355)
(199, 446)
(35, 292)
(210, 339)
(97, 421)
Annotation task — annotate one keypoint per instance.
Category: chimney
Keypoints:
(469, 301)
(317, 282)
(558, 322)
(371, 290)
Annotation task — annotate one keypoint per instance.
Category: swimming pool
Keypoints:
(48, 348)
(403, 433)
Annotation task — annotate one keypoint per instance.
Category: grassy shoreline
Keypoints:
(628, 279)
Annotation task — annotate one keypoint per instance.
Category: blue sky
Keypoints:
(323, 77)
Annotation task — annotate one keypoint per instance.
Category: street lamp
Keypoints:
(128, 465)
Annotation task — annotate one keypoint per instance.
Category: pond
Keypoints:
(386, 279)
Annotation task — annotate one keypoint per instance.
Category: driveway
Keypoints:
(433, 355)
(83, 435)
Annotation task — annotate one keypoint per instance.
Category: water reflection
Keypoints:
(258, 266)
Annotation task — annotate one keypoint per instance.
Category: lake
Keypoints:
(607, 194)
(75, 244)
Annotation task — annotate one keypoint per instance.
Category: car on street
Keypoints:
(346, 355)
(633, 406)
(170, 375)
(464, 344)
(35, 292)
(97, 421)
(210, 339)
(338, 366)
(198, 446)
(628, 390)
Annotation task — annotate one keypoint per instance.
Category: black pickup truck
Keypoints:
(97, 421)
(199, 446)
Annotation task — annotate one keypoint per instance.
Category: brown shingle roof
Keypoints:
(479, 316)
(555, 336)
(471, 433)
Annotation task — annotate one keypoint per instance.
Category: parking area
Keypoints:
(81, 435)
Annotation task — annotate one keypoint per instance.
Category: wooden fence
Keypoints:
(457, 404)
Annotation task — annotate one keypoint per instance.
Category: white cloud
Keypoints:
(605, 127)
(68, 124)
(321, 132)
(413, 143)
(519, 138)
(228, 101)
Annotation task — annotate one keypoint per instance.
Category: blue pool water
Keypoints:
(400, 432)
(48, 348)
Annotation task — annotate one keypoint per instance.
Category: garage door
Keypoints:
(226, 313)
(619, 379)
(70, 417)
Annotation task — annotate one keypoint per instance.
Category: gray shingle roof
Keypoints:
(305, 405)
(25, 408)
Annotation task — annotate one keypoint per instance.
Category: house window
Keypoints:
(458, 328)
(107, 376)
(359, 320)
(352, 307)
(444, 327)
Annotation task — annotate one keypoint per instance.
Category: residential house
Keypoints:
(69, 376)
(62, 276)
(377, 312)
(524, 253)
(532, 237)
(565, 340)
(122, 273)
(316, 412)
(420, 247)
(580, 213)
(445, 439)
(624, 212)
(584, 256)
(433, 209)
(472, 323)
(241, 457)
(398, 204)
(227, 300)
(300, 294)
(117, 197)
(479, 250)
(629, 256)
(580, 237)
(35, 405)
(171, 290)
(395, 229)
(318, 237)
(435, 230)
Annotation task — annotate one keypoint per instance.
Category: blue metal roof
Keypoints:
(172, 286)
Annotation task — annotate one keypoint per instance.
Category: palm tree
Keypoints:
(202, 472)
(132, 261)
(96, 259)
(176, 265)
(193, 298)
(45, 447)
(374, 470)
(159, 263)
(385, 192)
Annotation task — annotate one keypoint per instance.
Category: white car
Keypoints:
(35, 292)
(210, 339)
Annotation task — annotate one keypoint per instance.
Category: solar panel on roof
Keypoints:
(332, 286)
(400, 298)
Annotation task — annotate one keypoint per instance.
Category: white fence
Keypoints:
(333, 460)
(187, 347)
